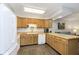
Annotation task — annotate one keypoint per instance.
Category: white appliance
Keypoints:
(8, 33)
(41, 39)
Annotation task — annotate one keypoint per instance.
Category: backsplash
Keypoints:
(27, 30)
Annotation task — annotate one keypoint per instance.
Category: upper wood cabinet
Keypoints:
(41, 23)
(48, 23)
(24, 23)
(18, 22)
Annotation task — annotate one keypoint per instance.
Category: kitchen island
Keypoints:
(62, 43)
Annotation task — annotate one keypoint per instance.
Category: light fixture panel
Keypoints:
(31, 10)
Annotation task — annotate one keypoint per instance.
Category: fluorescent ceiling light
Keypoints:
(31, 10)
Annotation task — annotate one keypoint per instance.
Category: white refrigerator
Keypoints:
(8, 31)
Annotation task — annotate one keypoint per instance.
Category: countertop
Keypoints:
(55, 34)
(64, 35)
(30, 33)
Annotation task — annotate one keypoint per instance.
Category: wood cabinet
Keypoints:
(24, 23)
(21, 22)
(73, 46)
(49, 39)
(48, 23)
(62, 45)
(28, 39)
(41, 23)
(18, 22)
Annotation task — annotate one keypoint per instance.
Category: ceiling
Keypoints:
(53, 10)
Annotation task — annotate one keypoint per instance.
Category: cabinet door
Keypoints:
(31, 21)
(19, 22)
(46, 38)
(62, 48)
(27, 21)
(60, 45)
(52, 40)
(35, 38)
(40, 23)
(48, 23)
(73, 47)
(28, 39)
(49, 40)
(23, 23)
(56, 43)
(36, 21)
(24, 40)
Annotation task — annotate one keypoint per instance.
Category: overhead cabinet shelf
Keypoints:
(41, 23)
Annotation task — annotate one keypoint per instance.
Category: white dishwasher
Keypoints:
(41, 38)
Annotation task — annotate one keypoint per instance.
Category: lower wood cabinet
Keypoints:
(28, 39)
(62, 45)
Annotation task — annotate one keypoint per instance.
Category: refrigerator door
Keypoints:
(7, 28)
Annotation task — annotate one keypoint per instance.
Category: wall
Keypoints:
(71, 23)
(7, 29)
